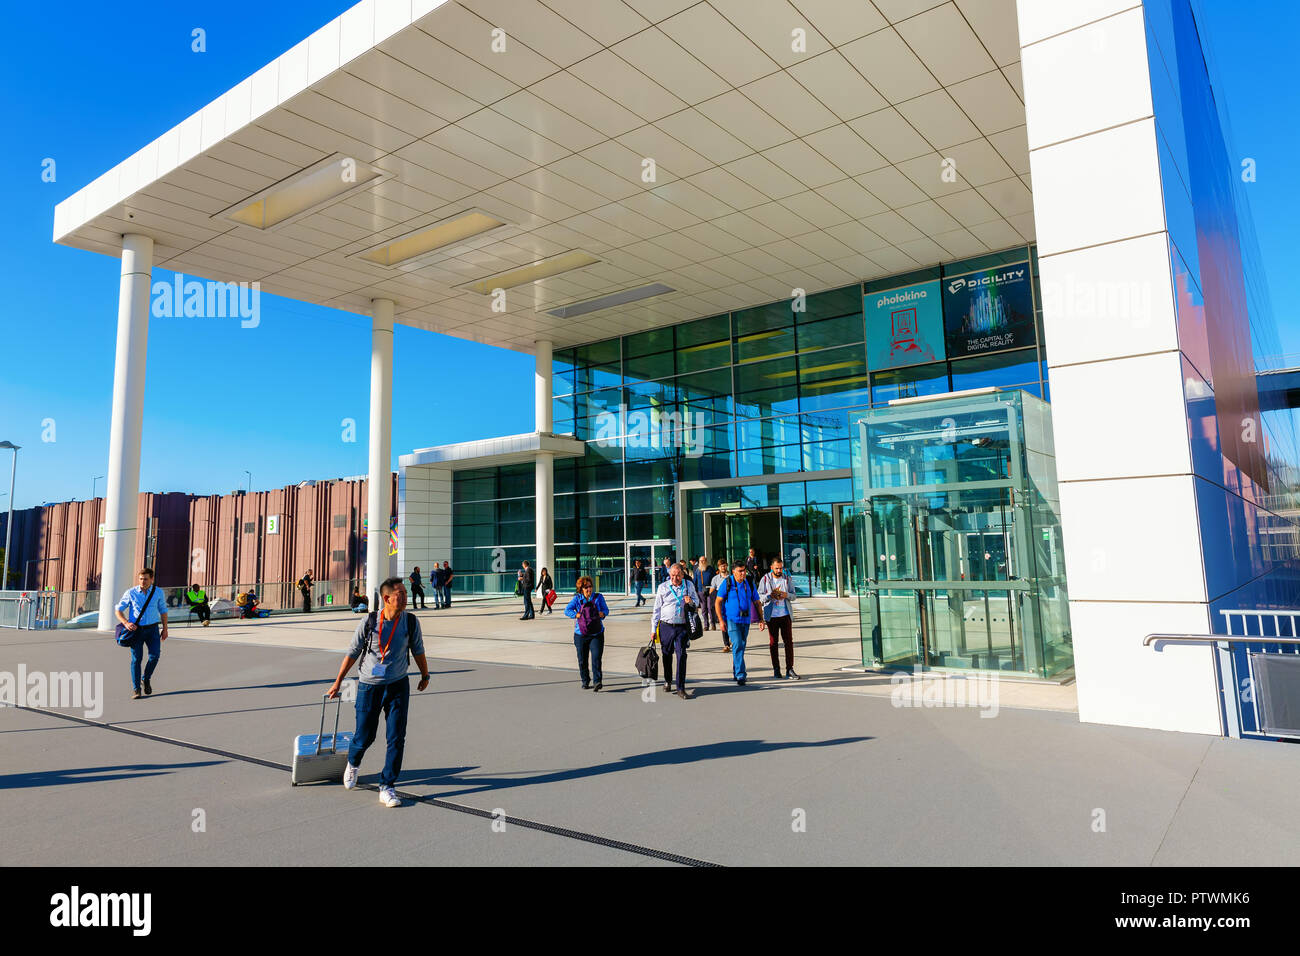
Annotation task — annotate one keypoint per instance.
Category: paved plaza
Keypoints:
(509, 763)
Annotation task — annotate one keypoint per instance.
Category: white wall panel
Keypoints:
(1122, 682)
(1044, 18)
(1131, 539)
(1097, 189)
(1108, 301)
(1087, 80)
(1119, 419)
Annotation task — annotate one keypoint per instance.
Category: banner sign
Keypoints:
(904, 326)
(988, 311)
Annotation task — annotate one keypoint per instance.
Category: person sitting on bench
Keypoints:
(197, 599)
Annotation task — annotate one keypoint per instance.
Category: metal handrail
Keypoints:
(1218, 638)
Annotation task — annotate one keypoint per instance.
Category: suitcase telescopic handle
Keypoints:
(334, 741)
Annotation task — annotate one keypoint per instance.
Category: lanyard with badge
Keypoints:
(380, 667)
(680, 594)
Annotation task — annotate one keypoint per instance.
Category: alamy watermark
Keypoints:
(650, 428)
(56, 690)
(76, 909)
(192, 299)
(923, 689)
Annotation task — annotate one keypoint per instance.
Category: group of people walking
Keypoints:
(439, 583)
(730, 597)
(390, 636)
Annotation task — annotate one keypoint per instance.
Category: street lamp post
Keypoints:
(250, 480)
(92, 486)
(9, 525)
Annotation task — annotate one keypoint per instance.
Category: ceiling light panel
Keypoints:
(304, 192)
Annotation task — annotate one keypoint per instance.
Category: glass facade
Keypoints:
(746, 421)
(961, 536)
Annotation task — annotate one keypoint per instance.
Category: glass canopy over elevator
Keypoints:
(961, 536)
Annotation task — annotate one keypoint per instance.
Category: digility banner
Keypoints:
(988, 311)
(904, 326)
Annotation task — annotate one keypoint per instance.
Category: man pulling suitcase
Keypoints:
(382, 642)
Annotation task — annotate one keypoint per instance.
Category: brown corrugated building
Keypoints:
(224, 542)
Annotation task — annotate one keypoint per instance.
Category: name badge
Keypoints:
(380, 669)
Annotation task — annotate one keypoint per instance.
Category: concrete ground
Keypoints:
(823, 771)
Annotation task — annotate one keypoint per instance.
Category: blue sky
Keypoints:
(88, 84)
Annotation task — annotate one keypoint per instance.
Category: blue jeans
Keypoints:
(593, 646)
(393, 699)
(640, 599)
(738, 631)
(446, 595)
(151, 637)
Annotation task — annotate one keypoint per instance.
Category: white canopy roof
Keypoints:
(796, 144)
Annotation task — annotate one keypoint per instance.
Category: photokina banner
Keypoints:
(904, 326)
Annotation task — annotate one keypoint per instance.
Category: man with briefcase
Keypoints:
(382, 642)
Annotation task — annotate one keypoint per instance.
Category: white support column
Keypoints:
(379, 483)
(1132, 531)
(544, 491)
(121, 497)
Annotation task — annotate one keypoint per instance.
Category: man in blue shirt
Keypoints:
(381, 643)
(147, 615)
(674, 599)
(735, 598)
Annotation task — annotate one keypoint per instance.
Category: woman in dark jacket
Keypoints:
(544, 585)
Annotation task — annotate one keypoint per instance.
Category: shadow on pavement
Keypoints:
(57, 778)
(659, 758)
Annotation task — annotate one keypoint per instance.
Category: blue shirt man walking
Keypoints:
(735, 598)
(147, 618)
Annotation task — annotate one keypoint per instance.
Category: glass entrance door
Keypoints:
(730, 534)
(651, 554)
(847, 560)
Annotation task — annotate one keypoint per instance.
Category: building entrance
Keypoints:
(730, 535)
(651, 554)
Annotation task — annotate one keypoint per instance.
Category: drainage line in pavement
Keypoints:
(431, 801)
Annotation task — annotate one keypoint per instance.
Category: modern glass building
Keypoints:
(756, 248)
(740, 430)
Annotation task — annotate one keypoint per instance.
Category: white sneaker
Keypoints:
(388, 797)
(350, 777)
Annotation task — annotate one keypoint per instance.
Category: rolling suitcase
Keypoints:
(321, 756)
